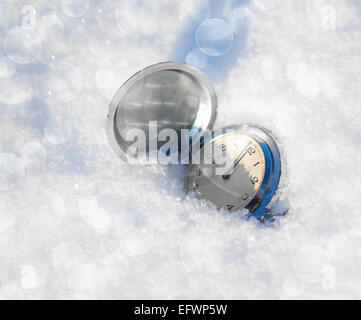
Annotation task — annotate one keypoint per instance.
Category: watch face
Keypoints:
(231, 172)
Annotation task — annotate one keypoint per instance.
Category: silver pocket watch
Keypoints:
(247, 178)
(239, 167)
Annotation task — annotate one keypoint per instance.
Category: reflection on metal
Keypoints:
(176, 95)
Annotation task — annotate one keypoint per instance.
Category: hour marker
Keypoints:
(194, 186)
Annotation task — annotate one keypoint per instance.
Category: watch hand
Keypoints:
(239, 158)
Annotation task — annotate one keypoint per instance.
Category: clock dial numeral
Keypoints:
(251, 151)
(245, 162)
(254, 180)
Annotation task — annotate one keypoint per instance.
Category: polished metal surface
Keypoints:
(167, 95)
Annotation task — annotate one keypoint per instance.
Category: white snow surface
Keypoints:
(76, 222)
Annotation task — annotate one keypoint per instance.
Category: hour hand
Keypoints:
(235, 163)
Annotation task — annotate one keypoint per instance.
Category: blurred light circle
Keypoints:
(103, 146)
(293, 286)
(135, 17)
(33, 155)
(216, 76)
(106, 75)
(310, 262)
(356, 224)
(105, 19)
(100, 46)
(64, 82)
(74, 8)
(214, 37)
(12, 171)
(115, 265)
(22, 45)
(7, 68)
(197, 58)
(202, 253)
(88, 282)
(33, 276)
(29, 277)
(66, 255)
(311, 70)
(50, 26)
(11, 292)
(57, 131)
(45, 208)
(136, 245)
(94, 214)
(322, 13)
(341, 248)
(7, 215)
(239, 19)
(193, 10)
(266, 4)
(113, 71)
(9, 16)
(13, 93)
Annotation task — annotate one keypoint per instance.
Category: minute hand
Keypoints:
(239, 158)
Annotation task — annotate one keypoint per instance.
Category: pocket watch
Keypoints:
(239, 169)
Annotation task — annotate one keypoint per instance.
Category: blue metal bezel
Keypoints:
(273, 165)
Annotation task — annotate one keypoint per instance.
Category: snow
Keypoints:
(78, 222)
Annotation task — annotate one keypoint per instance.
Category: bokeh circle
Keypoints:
(34, 155)
(266, 4)
(64, 82)
(214, 37)
(74, 8)
(311, 70)
(12, 171)
(196, 58)
(310, 262)
(7, 67)
(50, 26)
(239, 19)
(57, 131)
(22, 45)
